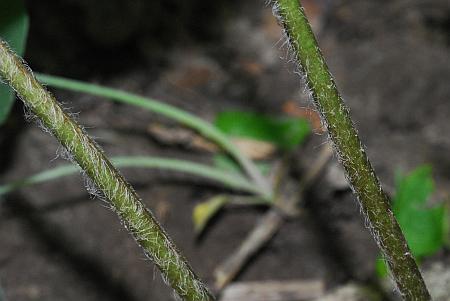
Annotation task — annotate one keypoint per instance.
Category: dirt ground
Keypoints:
(390, 59)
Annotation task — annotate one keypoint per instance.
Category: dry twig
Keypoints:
(269, 224)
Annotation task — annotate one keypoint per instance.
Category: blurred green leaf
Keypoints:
(226, 163)
(413, 190)
(424, 227)
(204, 211)
(14, 30)
(285, 132)
(423, 230)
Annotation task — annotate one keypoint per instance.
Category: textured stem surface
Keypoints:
(335, 114)
(122, 197)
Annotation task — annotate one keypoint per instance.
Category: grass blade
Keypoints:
(230, 180)
(203, 127)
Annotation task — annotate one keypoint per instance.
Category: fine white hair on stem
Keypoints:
(122, 198)
(350, 150)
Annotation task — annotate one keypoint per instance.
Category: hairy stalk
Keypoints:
(335, 114)
(228, 179)
(204, 128)
(139, 221)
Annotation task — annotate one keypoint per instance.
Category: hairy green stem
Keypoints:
(228, 179)
(335, 114)
(204, 128)
(122, 197)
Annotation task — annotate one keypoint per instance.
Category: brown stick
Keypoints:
(268, 225)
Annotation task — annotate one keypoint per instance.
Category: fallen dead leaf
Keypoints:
(254, 149)
(178, 136)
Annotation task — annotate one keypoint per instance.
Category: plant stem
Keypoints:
(122, 197)
(228, 179)
(335, 114)
(203, 127)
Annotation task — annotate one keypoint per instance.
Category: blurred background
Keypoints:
(391, 62)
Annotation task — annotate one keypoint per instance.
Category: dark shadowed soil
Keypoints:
(391, 60)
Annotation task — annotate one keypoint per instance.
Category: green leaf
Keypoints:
(230, 180)
(226, 163)
(285, 132)
(413, 190)
(424, 227)
(13, 29)
(204, 211)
